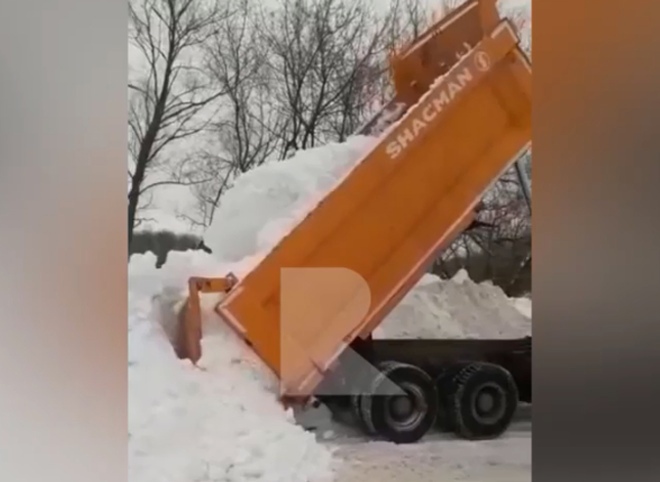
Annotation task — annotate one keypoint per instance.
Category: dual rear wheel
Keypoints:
(473, 400)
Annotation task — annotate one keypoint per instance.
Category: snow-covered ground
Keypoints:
(219, 423)
(222, 422)
(442, 460)
(438, 457)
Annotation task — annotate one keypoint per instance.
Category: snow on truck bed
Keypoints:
(224, 422)
(457, 308)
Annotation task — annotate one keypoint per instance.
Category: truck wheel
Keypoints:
(402, 418)
(445, 386)
(357, 409)
(483, 402)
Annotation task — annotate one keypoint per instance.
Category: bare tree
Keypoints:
(410, 19)
(247, 129)
(500, 250)
(446, 6)
(396, 25)
(295, 75)
(166, 100)
(324, 56)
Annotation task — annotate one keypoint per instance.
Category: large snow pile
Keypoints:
(223, 422)
(265, 203)
(456, 308)
(523, 305)
(219, 423)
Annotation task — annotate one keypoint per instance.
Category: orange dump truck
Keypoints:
(460, 118)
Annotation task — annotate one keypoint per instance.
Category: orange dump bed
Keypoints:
(408, 199)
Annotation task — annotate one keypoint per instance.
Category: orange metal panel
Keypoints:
(407, 199)
(435, 51)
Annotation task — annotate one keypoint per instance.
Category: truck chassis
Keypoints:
(470, 387)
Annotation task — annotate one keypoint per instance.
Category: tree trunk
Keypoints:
(146, 147)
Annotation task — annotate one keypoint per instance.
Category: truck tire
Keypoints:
(483, 401)
(444, 383)
(401, 419)
(359, 415)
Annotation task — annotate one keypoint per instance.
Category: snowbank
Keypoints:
(523, 305)
(265, 203)
(220, 423)
(224, 422)
(455, 308)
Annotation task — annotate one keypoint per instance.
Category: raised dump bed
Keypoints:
(409, 198)
(464, 116)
